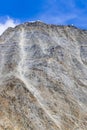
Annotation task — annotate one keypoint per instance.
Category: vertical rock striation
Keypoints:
(43, 78)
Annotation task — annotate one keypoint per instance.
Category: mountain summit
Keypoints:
(43, 77)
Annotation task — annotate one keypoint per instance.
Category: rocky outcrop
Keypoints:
(43, 78)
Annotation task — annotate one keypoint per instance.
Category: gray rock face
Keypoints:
(43, 78)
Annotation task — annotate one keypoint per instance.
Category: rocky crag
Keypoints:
(43, 78)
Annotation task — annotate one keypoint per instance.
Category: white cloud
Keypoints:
(8, 22)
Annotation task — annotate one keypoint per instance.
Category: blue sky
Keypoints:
(49, 11)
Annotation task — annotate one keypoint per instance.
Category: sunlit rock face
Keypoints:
(43, 78)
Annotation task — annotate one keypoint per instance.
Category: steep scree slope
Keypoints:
(43, 78)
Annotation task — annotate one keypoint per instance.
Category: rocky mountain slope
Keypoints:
(43, 78)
